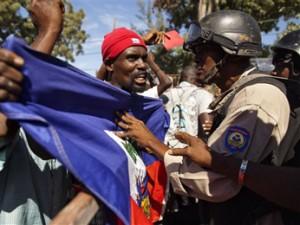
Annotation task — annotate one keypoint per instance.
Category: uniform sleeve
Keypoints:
(188, 178)
(255, 124)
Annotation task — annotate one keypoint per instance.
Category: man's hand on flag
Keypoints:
(10, 77)
(137, 130)
(134, 129)
(10, 84)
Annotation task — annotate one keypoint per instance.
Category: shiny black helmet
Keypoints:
(287, 53)
(289, 42)
(236, 32)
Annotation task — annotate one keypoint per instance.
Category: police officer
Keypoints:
(277, 184)
(252, 119)
(286, 58)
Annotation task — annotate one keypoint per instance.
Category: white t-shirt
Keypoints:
(151, 92)
(185, 103)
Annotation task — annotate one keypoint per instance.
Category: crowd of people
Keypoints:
(232, 159)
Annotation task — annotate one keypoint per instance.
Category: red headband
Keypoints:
(117, 41)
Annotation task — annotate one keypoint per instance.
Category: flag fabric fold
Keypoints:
(69, 113)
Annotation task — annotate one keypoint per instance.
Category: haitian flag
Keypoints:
(71, 115)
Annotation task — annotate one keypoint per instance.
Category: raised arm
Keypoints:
(102, 73)
(164, 80)
(47, 17)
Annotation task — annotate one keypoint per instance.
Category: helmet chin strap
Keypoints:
(294, 74)
(214, 70)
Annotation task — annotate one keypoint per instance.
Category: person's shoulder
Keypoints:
(265, 90)
(265, 96)
(203, 93)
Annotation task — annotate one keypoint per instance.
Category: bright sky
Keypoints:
(100, 17)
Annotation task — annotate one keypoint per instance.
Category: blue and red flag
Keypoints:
(71, 115)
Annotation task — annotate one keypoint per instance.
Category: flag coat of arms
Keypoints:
(72, 116)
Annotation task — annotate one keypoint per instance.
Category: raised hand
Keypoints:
(47, 15)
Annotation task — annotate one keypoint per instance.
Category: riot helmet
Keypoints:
(236, 32)
(286, 52)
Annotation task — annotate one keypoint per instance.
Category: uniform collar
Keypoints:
(248, 71)
(217, 103)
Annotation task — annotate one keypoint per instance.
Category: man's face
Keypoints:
(129, 70)
(190, 75)
(207, 56)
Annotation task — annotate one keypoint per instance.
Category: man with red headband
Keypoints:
(124, 55)
(117, 42)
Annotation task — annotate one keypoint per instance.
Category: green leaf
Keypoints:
(72, 38)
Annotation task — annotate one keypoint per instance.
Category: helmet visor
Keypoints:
(282, 58)
(199, 35)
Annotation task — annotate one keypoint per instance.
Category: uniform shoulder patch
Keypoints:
(236, 139)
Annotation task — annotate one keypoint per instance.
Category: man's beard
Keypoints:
(138, 88)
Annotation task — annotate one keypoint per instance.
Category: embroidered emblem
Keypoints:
(236, 139)
(138, 177)
(135, 41)
(244, 37)
(146, 206)
(141, 179)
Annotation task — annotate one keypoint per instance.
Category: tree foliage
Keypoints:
(266, 12)
(178, 14)
(291, 26)
(173, 61)
(13, 20)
